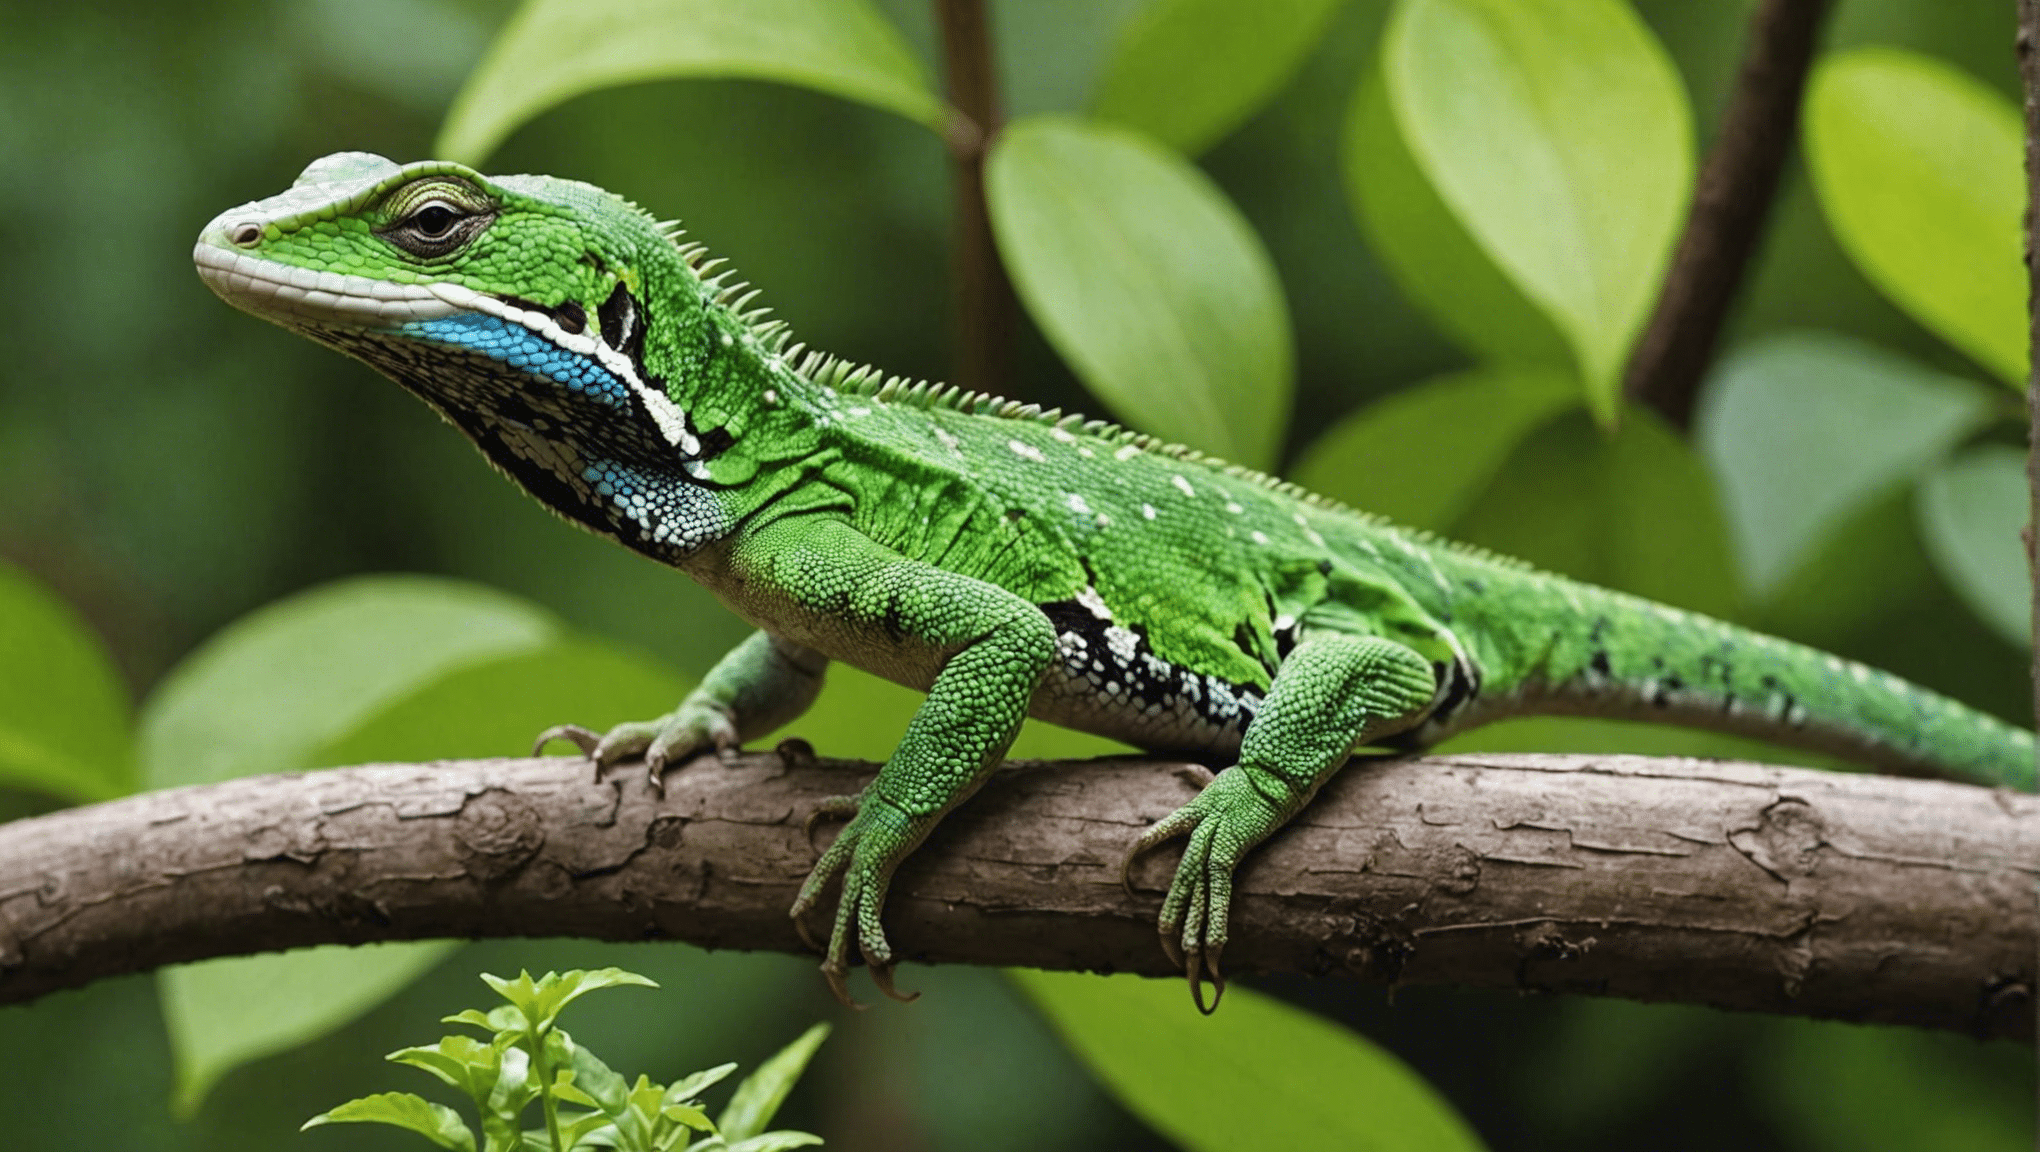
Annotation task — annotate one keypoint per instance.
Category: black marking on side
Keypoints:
(618, 317)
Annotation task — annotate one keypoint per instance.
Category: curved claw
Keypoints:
(882, 975)
(838, 976)
(1209, 957)
(1162, 831)
(584, 739)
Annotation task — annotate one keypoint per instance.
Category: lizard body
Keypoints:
(1008, 562)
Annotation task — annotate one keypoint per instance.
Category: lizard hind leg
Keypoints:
(1332, 693)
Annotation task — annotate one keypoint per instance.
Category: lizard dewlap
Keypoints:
(1007, 561)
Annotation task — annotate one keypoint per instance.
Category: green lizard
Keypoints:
(1006, 561)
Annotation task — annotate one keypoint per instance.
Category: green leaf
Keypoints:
(554, 50)
(1255, 1074)
(1437, 263)
(436, 1122)
(779, 1141)
(690, 1087)
(1972, 510)
(1420, 456)
(1919, 168)
(1187, 72)
(64, 725)
(1803, 429)
(1634, 511)
(496, 707)
(462, 1062)
(1557, 132)
(224, 1013)
(271, 688)
(542, 1000)
(758, 1098)
(1147, 280)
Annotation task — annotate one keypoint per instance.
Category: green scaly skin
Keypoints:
(1006, 561)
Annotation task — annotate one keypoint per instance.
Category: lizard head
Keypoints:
(516, 306)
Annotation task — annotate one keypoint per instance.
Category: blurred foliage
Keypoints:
(1445, 221)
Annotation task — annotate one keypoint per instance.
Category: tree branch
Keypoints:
(1737, 186)
(986, 311)
(1738, 885)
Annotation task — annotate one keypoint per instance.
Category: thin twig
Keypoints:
(986, 311)
(1738, 184)
(1737, 885)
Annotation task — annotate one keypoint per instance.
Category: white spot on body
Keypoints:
(1026, 451)
(1094, 603)
(1127, 452)
(1061, 436)
(949, 442)
(1259, 536)
(1233, 508)
(1183, 486)
(1077, 504)
(1148, 510)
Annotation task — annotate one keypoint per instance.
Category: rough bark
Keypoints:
(1737, 885)
(1731, 203)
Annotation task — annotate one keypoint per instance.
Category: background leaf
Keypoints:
(267, 690)
(1803, 428)
(1255, 1074)
(555, 50)
(1558, 133)
(1634, 511)
(1186, 72)
(1420, 456)
(223, 1013)
(1148, 281)
(383, 669)
(64, 726)
(756, 1101)
(1919, 170)
(1435, 261)
(1971, 511)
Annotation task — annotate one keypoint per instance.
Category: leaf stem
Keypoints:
(985, 308)
(1737, 186)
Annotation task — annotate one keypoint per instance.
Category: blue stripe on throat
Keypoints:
(521, 348)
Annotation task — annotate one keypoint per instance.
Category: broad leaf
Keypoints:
(1255, 1074)
(1803, 429)
(1557, 132)
(1148, 281)
(496, 707)
(64, 726)
(224, 1013)
(554, 50)
(436, 1122)
(1972, 510)
(271, 688)
(1634, 511)
(1919, 168)
(1435, 261)
(1189, 71)
(1420, 456)
(541, 1000)
(758, 1098)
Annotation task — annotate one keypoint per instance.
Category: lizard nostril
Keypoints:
(247, 234)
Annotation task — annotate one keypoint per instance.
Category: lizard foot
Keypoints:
(1223, 822)
(865, 854)
(692, 728)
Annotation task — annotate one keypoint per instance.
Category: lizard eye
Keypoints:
(436, 225)
(434, 220)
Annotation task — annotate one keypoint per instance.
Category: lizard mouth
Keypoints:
(297, 297)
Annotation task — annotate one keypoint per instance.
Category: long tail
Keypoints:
(1620, 656)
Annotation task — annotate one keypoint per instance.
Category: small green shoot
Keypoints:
(529, 1059)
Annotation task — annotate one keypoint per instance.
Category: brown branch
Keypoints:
(1738, 885)
(986, 312)
(1737, 186)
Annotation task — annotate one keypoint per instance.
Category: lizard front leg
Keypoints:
(991, 647)
(756, 687)
(1331, 694)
